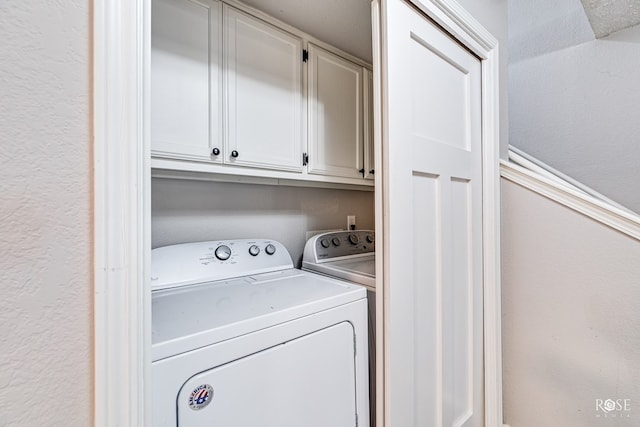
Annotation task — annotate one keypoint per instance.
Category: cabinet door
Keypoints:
(369, 159)
(186, 79)
(264, 94)
(335, 115)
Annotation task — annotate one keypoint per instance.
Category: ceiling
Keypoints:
(608, 16)
(345, 24)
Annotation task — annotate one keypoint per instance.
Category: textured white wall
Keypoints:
(571, 329)
(193, 211)
(45, 217)
(576, 108)
(544, 26)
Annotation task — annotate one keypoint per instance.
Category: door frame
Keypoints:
(121, 213)
(467, 31)
(122, 206)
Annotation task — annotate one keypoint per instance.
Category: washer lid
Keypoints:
(361, 270)
(195, 316)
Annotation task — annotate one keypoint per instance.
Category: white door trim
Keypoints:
(122, 309)
(121, 156)
(467, 31)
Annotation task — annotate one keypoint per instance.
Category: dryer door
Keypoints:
(308, 381)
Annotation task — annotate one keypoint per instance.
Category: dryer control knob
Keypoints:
(223, 252)
(370, 238)
(354, 239)
(270, 249)
(324, 243)
(335, 241)
(254, 250)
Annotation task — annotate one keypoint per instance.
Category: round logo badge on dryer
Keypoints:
(200, 397)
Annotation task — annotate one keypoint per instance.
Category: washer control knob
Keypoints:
(324, 243)
(270, 249)
(254, 250)
(370, 238)
(335, 241)
(354, 239)
(223, 252)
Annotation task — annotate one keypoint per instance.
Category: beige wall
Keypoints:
(192, 211)
(45, 214)
(571, 324)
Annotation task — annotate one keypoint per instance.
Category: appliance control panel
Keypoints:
(191, 263)
(337, 244)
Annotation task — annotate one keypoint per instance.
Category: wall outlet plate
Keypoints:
(351, 222)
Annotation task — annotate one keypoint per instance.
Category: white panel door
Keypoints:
(309, 381)
(264, 94)
(186, 79)
(335, 115)
(433, 229)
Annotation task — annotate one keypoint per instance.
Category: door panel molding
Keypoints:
(462, 27)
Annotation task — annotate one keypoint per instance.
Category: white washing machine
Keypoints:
(242, 339)
(349, 256)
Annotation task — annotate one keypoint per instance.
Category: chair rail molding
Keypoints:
(122, 188)
(622, 220)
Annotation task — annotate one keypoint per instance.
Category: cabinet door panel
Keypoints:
(335, 115)
(264, 94)
(185, 79)
(369, 159)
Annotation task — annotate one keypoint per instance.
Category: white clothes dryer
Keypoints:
(242, 339)
(349, 256)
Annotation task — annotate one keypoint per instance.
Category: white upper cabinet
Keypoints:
(231, 94)
(264, 108)
(369, 159)
(186, 79)
(335, 115)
